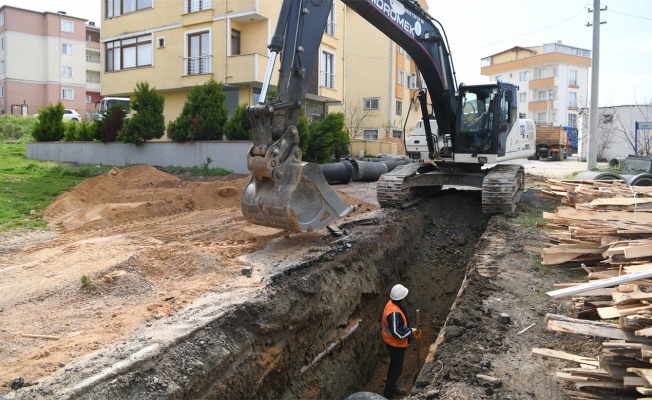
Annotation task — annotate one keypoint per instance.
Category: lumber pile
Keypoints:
(604, 228)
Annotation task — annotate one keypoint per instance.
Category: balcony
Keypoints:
(246, 68)
(542, 83)
(540, 105)
(197, 65)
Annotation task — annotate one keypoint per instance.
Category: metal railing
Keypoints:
(328, 80)
(197, 5)
(331, 28)
(197, 65)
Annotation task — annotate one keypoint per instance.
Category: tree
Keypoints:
(354, 115)
(83, 131)
(49, 127)
(111, 123)
(328, 139)
(203, 115)
(238, 127)
(148, 122)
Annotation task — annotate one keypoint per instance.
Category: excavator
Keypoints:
(480, 120)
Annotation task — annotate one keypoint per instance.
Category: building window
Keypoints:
(89, 100)
(115, 8)
(235, 42)
(67, 94)
(160, 42)
(2, 43)
(572, 78)
(572, 99)
(2, 19)
(541, 117)
(401, 77)
(89, 79)
(2, 91)
(542, 95)
(66, 71)
(371, 103)
(412, 81)
(572, 119)
(400, 50)
(522, 97)
(522, 115)
(129, 53)
(197, 5)
(198, 60)
(399, 107)
(66, 49)
(606, 118)
(327, 68)
(542, 73)
(67, 26)
(522, 76)
(397, 133)
(370, 134)
(2, 67)
(330, 22)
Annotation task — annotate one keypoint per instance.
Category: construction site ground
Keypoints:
(161, 255)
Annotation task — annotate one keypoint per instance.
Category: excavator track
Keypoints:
(502, 189)
(394, 189)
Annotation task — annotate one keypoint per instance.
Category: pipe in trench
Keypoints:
(332, 347)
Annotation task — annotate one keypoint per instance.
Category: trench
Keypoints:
(320, 338)
(314, 331)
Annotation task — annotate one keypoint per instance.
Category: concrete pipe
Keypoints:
(367, 171)
(598, 176)
(639, 180)
(340, 172)
(391, 164)
(617, 162)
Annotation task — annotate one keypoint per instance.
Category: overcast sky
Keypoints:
(480, 28)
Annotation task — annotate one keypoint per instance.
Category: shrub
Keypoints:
(87, 282)
(83, 131)
(203, 115)
(148, 122)
(111, 123)
(49, 127)
(328, 139)
(238, 127)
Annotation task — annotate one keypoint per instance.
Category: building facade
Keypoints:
(553, 80)
(380, 81)
(61, 63)
(178, 44)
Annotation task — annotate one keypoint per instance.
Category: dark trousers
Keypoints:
(396, 356)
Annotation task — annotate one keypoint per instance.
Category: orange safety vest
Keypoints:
(390, 307)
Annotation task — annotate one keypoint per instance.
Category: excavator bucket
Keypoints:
(298, 200)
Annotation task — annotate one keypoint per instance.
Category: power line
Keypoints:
(630, 15)
(525, 34)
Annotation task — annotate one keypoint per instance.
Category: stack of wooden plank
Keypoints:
(606, 229)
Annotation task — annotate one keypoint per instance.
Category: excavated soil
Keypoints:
(188, 300)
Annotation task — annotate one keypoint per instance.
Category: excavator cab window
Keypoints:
(477, 120)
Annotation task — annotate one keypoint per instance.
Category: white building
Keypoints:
(617, 133)
(553, 80)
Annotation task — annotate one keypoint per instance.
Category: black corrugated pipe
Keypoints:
(340, 172)
(367, 171)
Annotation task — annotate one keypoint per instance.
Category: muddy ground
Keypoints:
(190, 301)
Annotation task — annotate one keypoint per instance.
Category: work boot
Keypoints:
(400, 391)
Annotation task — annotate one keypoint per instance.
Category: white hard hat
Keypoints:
(398, 292)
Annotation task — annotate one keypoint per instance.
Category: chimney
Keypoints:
(91, 23)
(62, 12)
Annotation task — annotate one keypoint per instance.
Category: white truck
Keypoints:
(416, 146)
(109, 102)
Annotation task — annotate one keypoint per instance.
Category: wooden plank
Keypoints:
(597, 284)
(592, 328)
(616, 312)
(571, 213)
(638, 251)
(643, 373)
(566, 356)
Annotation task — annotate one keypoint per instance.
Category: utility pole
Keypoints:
(592, 152)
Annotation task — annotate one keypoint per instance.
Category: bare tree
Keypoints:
(389, 128)
(641, 141)
(354, 114)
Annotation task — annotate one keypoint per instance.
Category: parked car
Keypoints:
(69, 115)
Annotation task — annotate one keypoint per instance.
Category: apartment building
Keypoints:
(178, 44)
(380, 80)
(553, 80)
(45, 58)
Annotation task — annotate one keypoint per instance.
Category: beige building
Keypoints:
(380, 80)
(178, 44)
(553, 80)
(45, 58)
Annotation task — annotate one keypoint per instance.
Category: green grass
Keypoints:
(531, 214)
(29, 185)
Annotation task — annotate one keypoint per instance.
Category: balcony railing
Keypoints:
(197, 5)
(328, 80)
(197, 65)
(331, 28)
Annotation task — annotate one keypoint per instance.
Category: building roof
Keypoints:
(515, 48)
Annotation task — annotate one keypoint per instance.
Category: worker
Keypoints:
(395, 332)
